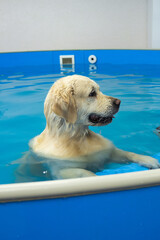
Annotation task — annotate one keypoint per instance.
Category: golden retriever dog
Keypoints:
(69, 148)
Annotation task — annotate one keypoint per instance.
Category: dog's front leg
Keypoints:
(73, 173)
(118, 155)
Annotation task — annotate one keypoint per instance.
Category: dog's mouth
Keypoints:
(98, 119)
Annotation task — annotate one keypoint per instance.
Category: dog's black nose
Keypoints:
(116, 102)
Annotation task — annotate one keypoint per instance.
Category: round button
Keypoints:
(92, 59)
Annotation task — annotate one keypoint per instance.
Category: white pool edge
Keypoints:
(79, 186)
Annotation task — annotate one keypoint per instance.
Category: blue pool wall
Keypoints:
(81, 57)
(124, 215)
(122, 62)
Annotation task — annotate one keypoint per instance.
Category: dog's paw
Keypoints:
(150, 162)
(155, 166)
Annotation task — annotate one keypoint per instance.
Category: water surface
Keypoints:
(22, 94)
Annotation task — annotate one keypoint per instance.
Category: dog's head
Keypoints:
(78, 99)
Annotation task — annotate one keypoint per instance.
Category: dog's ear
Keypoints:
(63, 103)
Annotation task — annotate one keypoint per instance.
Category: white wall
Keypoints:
(28, 25)
(154, 24)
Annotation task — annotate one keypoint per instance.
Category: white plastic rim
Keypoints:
(78, 186)
(92, 59)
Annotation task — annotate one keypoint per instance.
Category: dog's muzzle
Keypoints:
(99, 119)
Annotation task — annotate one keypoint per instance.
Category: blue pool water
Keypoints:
(22, 94)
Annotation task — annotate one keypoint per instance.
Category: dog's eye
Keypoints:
(92, 94)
